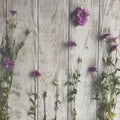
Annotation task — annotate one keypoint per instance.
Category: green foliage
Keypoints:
(33, 98)
(8, 49)
(73, 83)
(108, 89)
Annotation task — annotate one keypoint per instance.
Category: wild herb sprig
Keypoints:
(108, 83)
(73, 84)
(8, 54)
(109, 89)
(34, 96)
(45, 96)
(57, 101)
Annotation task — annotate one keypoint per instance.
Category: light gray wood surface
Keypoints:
(50, 28)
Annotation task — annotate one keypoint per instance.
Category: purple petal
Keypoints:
(93, 69)
(103, 36)
(71, 44)
(36, 73)
(9, 64)
(113, 47)
(80, 16)
(113, 39)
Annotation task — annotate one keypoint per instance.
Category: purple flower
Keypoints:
(113, 47)
(71, 44)
(113, 39)
(36, 74)
(103, 36)
(9, 64)
(80, 16)
(93, 69)
(13, 12)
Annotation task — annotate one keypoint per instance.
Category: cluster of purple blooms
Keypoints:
(80, 16)
(112, 46)
(111, 40)
(10, 64)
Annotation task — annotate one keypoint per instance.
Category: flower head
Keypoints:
(103, 36)
(93, 69)
(80, 16)
(113, 47)
(36, 73)
(13, 12)
(71, 44)
(9, 64)
(113, 39)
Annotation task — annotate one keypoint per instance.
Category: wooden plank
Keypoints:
(23, 84)
(109, 22)
(87, 50)
(53, 57)
(2, 19)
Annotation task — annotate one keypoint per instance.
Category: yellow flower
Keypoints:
(112, 115)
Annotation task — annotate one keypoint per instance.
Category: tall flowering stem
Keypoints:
(8, 51)
(108, 83)
(73, 84)
(34, 96)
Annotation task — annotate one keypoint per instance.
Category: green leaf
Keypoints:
(31, 113)
(18, 47)
(70, 99)
(32, 101)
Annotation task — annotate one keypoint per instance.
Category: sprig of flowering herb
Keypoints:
(9, 51)
(57, 101)
(45, 96)
(34, 96)
(36, 74)
(108, 85)
(72, 84)
(80, 16)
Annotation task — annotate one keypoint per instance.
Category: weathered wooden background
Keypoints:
(48, 21)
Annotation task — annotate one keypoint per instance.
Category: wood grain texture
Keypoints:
(109, 22)
(2, 19)
(23, 84)
(45, 50)
(53, 57)
(87, 50)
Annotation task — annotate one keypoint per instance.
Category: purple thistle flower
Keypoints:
(36, 73)
(93, 69)
(113, 47)
(103, 36)
(13, 12)
(80, 16)
(71, 44)
(9, 64)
